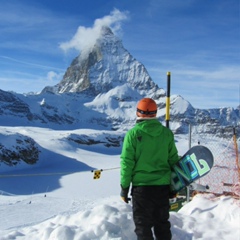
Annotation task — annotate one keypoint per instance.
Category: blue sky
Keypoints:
(198, 41)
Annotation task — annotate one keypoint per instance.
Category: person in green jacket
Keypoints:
(148, 153)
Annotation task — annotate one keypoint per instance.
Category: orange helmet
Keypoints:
(146, 107)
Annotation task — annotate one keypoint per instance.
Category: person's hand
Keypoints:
(124, 194)
(172, 197)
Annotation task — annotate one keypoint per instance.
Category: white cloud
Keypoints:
(86, 37)
(53, 76)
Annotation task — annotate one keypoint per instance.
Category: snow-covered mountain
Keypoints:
(50, 143)
(101, 87)
(105, 66)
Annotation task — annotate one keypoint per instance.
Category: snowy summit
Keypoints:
(105, 66)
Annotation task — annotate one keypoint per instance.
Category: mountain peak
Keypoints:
(106, 66)
(105, 30)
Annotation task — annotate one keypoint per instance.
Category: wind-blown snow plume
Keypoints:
(85, 38)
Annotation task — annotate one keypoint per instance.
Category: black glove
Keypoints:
(124, 194)
(172, 194)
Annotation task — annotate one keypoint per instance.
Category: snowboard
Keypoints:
(195, 163)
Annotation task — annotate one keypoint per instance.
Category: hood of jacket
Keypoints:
(150, 126)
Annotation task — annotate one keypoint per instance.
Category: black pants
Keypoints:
(151, 211)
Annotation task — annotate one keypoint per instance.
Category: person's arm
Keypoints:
(127, 160)
(173, 152)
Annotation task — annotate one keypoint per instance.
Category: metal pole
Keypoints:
(190, 136)
(168, 99)
(189, 146)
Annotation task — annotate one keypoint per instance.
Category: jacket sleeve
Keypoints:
(173, 152)
(127, 160)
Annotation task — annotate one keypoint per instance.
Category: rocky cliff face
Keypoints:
(12, 105)
(107, 65)
(16, 149)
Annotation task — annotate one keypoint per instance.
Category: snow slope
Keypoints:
(59, 199)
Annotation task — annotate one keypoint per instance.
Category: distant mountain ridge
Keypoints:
(100, 90)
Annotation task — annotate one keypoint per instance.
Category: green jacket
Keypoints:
(148, 153)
